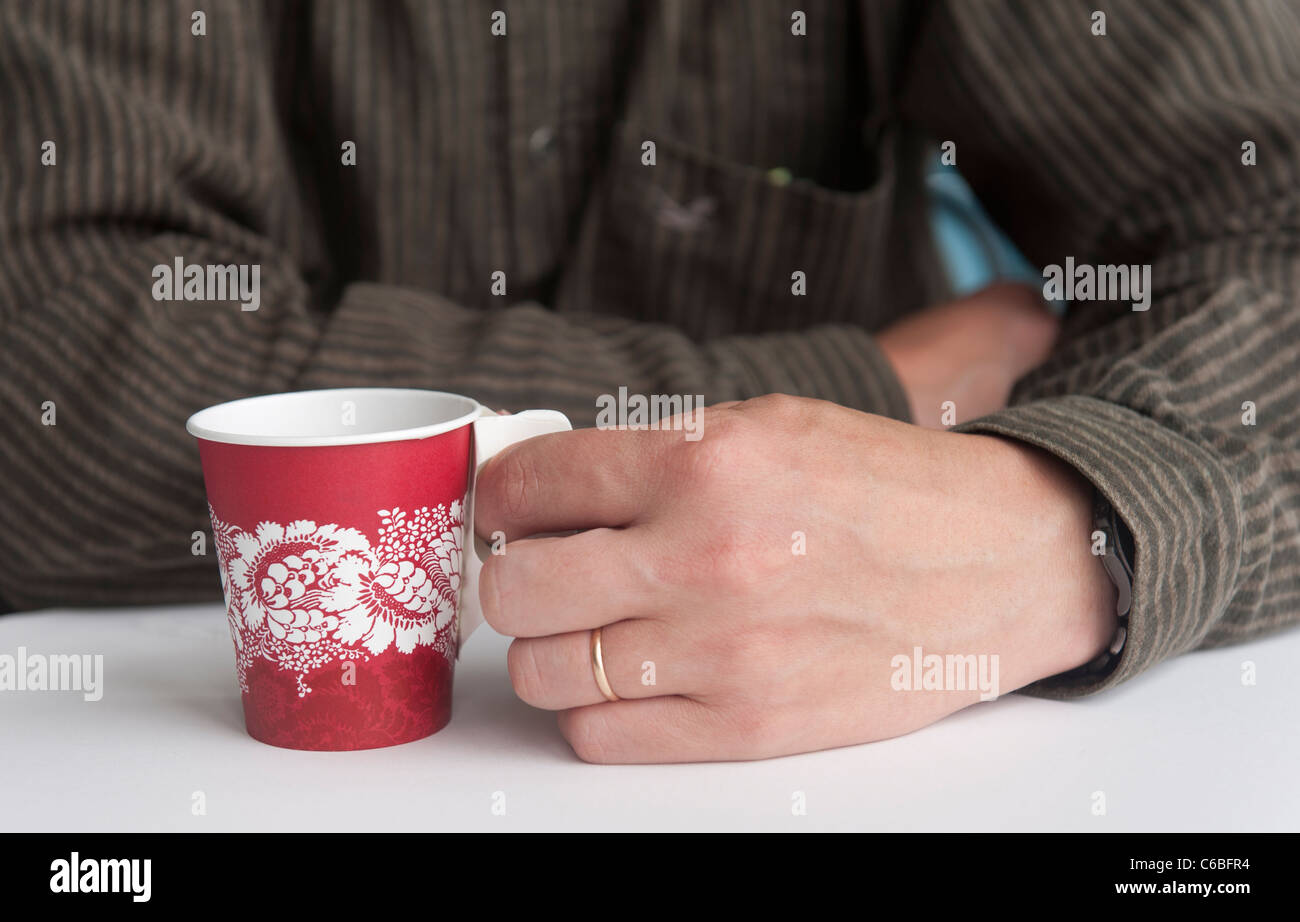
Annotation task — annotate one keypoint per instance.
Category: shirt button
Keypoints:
(541, 142)
(779, 176)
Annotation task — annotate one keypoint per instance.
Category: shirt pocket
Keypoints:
(715, 247)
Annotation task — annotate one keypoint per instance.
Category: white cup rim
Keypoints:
(217, 423)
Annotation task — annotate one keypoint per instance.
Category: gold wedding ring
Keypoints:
(598, 668)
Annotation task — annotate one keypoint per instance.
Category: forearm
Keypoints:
(1131, 152)
(527, 355)
(103, 491)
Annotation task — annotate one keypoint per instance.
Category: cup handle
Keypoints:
(493, 432)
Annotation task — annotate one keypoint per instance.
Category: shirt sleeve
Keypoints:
(1171, 141)
(130, 142)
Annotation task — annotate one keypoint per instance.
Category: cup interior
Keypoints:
(340, 416)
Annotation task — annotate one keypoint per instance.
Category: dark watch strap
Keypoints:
(1118, 560)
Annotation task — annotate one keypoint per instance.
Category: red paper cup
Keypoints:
(340, 520)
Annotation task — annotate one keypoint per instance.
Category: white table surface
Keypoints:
(1185, 747)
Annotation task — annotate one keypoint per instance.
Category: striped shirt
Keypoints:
(784, 142)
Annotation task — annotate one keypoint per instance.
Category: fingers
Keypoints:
(587, 478)
(543, 586)
(556, 673)
(668, 729)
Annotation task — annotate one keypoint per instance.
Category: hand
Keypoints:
(690, 561)
(970, 351)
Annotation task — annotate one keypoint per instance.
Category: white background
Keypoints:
(1185, 747)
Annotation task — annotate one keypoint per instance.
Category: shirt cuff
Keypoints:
(1177, 499)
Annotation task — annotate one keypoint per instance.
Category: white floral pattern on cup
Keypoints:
(303, 595)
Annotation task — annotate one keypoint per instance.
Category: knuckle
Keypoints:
(780, 405)
(581, 728)
(796, 416)
(749, 659)
(525, 673)
(730, 564)
(492, 598)
(519, 484)
(699, 462)
(754, 730)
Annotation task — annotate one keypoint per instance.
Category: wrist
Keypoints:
(1051, 514)
(900, 361)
